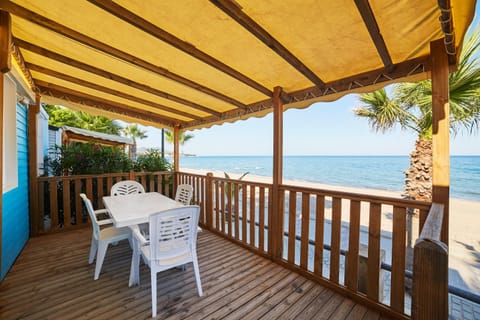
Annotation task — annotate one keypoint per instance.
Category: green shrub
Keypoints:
(87, 158)
(152, 161)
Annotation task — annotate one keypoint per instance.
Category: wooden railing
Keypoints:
(58, 206)
(354, 243)
(430, 273)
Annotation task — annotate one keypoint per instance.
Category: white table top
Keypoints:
(134, 209)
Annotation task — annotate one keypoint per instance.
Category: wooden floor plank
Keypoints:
(52, 279)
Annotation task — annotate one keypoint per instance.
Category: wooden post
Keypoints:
(275, 233)
(5, 45)
(5, 41)
(35, 218)
(430, 270)
(209, 200)
(441, 130)
(176, 148)
(131, 175)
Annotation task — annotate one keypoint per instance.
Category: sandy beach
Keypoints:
(464, 237)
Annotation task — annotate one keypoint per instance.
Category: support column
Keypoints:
(176, 148)
(276, 220)
(5, 65)
(441, 130)
(33, 111)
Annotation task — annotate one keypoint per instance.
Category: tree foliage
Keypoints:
(410, 104)
(60, 116)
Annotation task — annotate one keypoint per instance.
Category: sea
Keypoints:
(372, 172)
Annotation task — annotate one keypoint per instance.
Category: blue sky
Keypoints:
(322, 129)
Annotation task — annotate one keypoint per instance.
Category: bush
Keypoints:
(90, 158)
(152, 161)
(87, 158)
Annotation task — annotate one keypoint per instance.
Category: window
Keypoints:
(10, 164)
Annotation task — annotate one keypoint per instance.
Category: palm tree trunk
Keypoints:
(418, 186)
(418, 178)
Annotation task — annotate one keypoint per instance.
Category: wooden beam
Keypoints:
(372, 26)
(176, 148)
(441, 130)
(54, 26)
(235, 12)
(98, 87)
(83, 66)
(153, 30)
(33, 111)
(48, 89)
(276, 236)
(5, 41)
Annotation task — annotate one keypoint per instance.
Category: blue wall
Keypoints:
(15, 222)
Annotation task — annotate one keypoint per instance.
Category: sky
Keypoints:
(321, 129)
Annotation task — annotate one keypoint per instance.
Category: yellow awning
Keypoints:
(195, 63)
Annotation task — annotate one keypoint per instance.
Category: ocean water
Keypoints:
(374, 172)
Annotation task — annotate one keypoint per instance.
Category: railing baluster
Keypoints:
(66, 203)
(252, 215)
(319, 232)
(100, 192)
(237, 218)
(53, 188)
(78, 202)
(374, 251)
(228, 213)
(41, 205)
(335, 239)
(244, 213)
(305, 228)
(292, 215)
(217, 206)
(397, 291)
(222, 209)
(261, 219)
(351, 260)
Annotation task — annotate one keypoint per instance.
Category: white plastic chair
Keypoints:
(101, 238)
(173, 243)
(184, 194)
(126, 187)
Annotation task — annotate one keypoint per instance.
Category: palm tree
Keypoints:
(182, 138)
(134, 132)
(411, 107)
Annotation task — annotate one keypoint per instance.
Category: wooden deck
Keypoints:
(52, 280)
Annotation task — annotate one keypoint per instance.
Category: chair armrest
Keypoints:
(139, 236)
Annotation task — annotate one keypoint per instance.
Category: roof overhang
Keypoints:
(194, 64)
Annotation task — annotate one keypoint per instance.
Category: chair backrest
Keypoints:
(184, 194)
(173, 232)
(91, 213)
(126, 187)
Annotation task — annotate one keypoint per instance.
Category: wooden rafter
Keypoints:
(236, 13)
(362, 80)
(80, 65)
(372, 26)
(56, 91)
(98, 87)
(169, 38)
(105, 48)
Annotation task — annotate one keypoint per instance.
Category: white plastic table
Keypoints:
(134, 209)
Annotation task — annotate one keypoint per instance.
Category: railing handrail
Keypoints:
(102, 175)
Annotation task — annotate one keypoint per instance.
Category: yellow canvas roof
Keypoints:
(195, 63)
